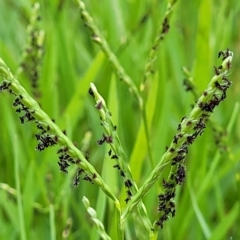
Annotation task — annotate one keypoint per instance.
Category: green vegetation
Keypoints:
(117, 179)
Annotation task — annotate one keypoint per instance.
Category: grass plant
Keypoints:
(91, 95)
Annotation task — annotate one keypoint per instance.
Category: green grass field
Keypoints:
(37, 200)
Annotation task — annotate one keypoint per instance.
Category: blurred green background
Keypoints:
(39, 202)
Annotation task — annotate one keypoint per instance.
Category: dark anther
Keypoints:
(228, 65)
(16, 102)
(88, 178)
(177, 159)
(200, 124)
(122, 173)
(76, 181)
(12, 92)
(77, 178)
(167, 184)
(188, 87)
(63, 166)
(161, 197)
(220, 67)
(166, 197)
(117, 166)
(22, 119)
(40, 127)
(70, 160)
(223, 96)
(201, 105)
(87, 156)
(172, 204)
(24, 108)
(190, 139)
(101, 141)
(77, 161)
(205, 115)
(80, 171)
(165, 26)
(171, 150)
(99, 105)
(55, 138)
(180, 175)
(218, 85)
(217, 71)
(114, 157)
(224, 54)
(160, 224)
(58, 151)
(90, 91)
(108, 139)
(128, 183)
(183, 149)
(175, 139)
(129, 193)
(4, 86)
(110, 152)
(180, 135)
(209, 107)
(221, 53)
(44, 141)
(224, 78)
(65, 149)
(37, 136)
(183, 119)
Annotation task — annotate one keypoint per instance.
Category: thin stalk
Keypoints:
(18, 190)
(52, 222)
(163, 30)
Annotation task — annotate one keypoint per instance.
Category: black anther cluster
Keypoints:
(28, 114)
(107, 139)
(165, 26)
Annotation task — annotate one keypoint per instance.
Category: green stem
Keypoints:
(52, 222)
(18, 190)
